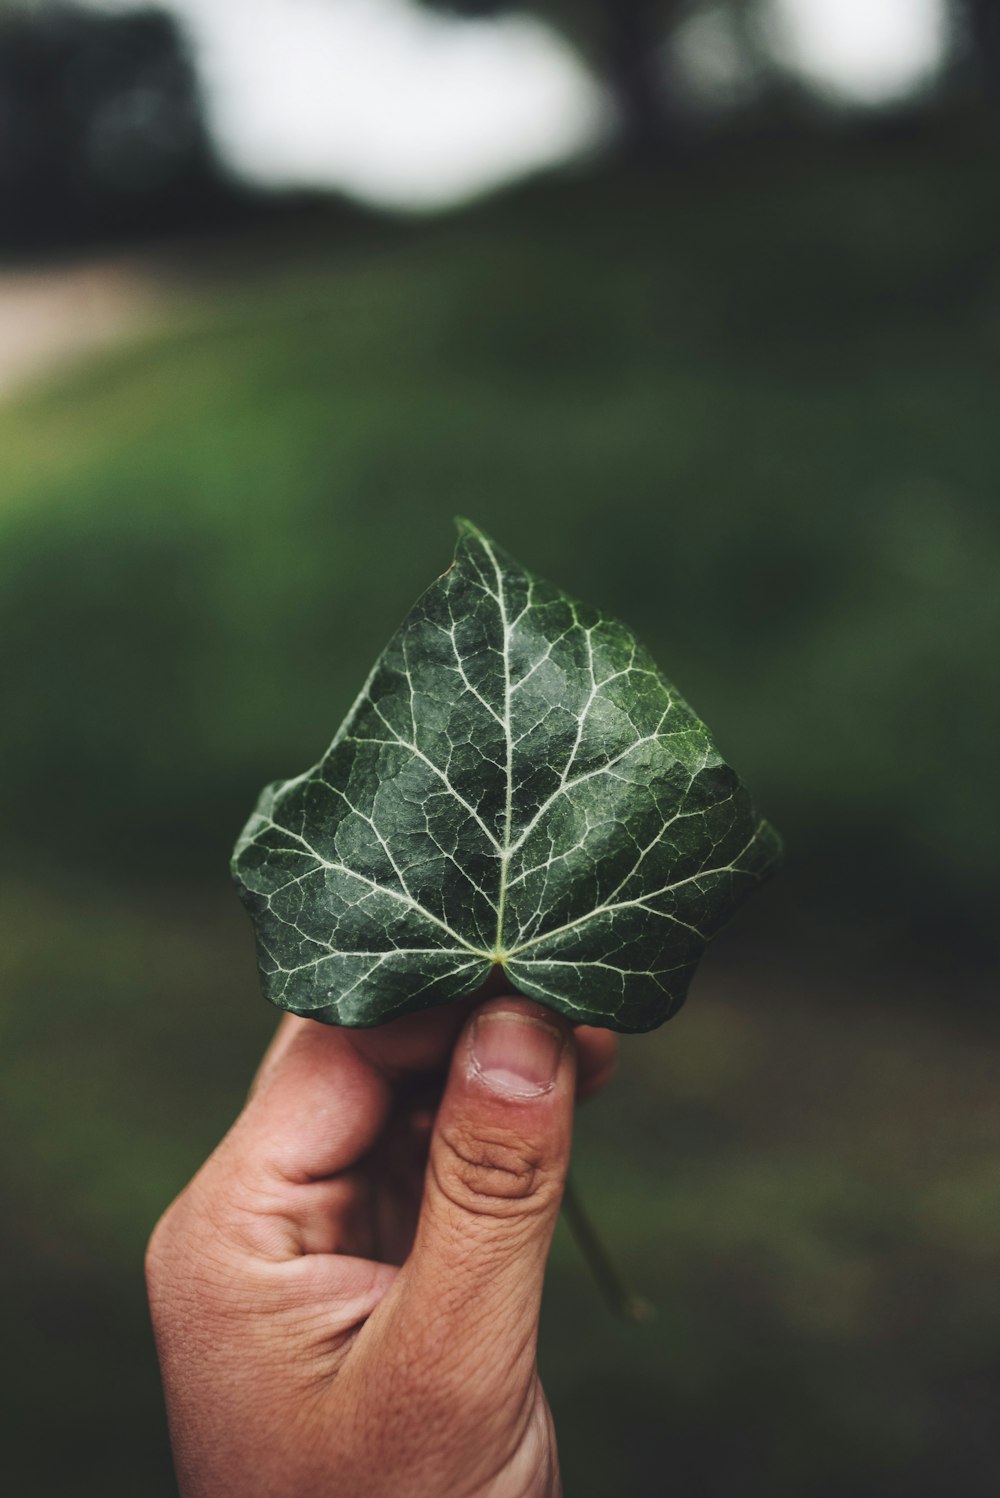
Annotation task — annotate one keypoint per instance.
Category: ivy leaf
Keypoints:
(516, 784)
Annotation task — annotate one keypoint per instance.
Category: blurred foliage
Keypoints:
(749, 408)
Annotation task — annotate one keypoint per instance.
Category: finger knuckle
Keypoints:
(159, 1249)
(189, 1239)
(489, 1172)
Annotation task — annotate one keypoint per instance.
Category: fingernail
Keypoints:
(514, 1054)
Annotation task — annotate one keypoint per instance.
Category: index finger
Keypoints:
(323, 1093)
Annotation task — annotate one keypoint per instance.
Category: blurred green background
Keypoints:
(742, 392)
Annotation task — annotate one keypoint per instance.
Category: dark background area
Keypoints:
(735, 380)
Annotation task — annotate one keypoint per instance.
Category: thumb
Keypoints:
(464, 1308)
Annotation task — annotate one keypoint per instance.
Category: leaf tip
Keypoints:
(468, 529)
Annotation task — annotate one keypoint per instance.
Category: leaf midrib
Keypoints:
(498, 954)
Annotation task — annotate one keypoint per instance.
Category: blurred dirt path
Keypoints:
(51, 315)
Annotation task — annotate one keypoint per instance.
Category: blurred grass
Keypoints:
(751, 411)
(808, 1198)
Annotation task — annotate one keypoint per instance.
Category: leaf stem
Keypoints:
(622, 1301)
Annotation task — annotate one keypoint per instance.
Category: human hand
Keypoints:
(346, 1296)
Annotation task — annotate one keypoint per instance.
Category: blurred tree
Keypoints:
(664, 61)
(648, 53)
(980, 22)
(625, 41)
(101, 126)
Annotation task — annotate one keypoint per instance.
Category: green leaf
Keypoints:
(516, 784)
